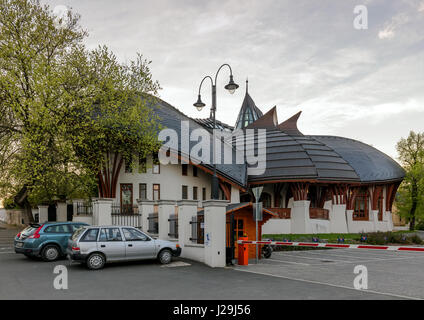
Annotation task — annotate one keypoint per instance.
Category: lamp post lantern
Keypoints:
(231, 87)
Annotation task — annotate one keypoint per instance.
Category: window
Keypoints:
(184, 168)
(128, 165)
(194, 171)
(203, 194)
(126, 194)
(156, 164)
(90, 235)
(361, 205)
(77, 233)
(194, 193)
(110, 234)
(238, 231)
(142, 164)
(61, 228)
(156, 192)
(142, 191)
(133, 235)
(185, 193)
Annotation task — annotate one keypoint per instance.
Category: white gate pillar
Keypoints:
(165, 209)
(43, 213)
(145, 207)
(215, 227)
(102, 212)
(61, 214)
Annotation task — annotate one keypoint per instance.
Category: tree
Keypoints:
(410, 199)
(64, 110)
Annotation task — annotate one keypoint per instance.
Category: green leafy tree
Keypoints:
(68, 115)
(410, 198)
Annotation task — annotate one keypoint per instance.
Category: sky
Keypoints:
(366, 84)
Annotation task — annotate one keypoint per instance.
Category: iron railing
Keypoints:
(197, 229)
(173, 226)
(84, 208)
(126, 215)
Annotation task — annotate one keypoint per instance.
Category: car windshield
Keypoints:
(77, 233)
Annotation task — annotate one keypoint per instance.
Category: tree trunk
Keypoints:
(21, 199)
(28, 218)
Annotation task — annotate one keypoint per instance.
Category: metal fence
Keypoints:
(126, 215)
(153, 223)
(173, 226)
(197, 229)
(84, 208)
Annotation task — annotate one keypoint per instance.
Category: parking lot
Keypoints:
(287, 275)
(398, 274)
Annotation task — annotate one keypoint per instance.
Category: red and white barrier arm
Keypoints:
(333, 245)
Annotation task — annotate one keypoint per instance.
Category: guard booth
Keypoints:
(239, 223)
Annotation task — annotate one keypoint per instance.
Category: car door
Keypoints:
(138, 245)
(111, 243)
(59, 234)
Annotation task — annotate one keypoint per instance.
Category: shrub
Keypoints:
(420, 225)
(416, 239)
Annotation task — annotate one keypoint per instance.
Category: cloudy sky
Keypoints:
(304, 55)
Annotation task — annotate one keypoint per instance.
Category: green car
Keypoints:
(48, 240)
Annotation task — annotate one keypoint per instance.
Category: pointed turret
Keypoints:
(290, 125)
(268, 121)
(249, 112)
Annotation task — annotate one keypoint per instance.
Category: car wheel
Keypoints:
(96, 261)
(165, 256)
(50, 253)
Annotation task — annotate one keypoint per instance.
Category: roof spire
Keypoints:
(247, 85)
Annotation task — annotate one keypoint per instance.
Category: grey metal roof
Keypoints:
(370, 164)
(171, 117)
(208, 123)
(297, 156)
(324, 158)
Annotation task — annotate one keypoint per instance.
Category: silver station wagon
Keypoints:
(97, 245)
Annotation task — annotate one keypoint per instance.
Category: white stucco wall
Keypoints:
(170, 179)
(277, 226)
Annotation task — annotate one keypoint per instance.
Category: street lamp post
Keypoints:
(231, 87)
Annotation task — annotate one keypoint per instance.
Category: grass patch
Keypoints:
(376, 238)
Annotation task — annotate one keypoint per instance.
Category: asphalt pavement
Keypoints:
(23, 278)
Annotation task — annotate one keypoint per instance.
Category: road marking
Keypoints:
(346, 261)
(312, 258)
(290, 262)
(329, 284)
(360, 258)
(7, 252)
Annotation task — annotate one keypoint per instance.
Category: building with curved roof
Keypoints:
(311, 183)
